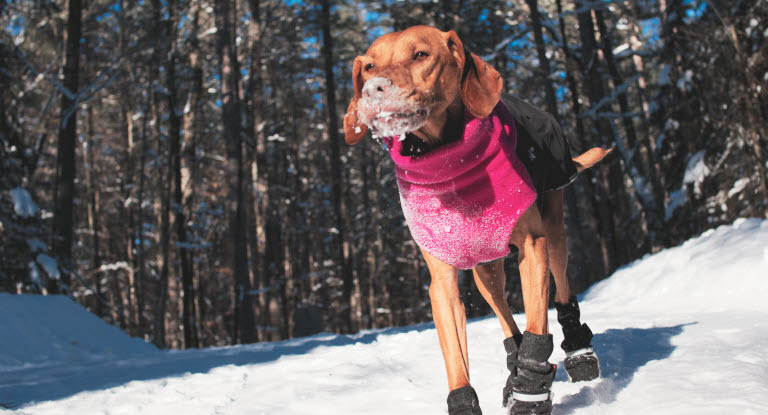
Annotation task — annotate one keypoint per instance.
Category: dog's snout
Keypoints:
(378, 86)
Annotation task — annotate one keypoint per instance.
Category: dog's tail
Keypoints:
(590, 158)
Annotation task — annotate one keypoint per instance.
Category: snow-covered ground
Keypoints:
(684, 331)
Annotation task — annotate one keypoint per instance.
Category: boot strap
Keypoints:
(531, 397)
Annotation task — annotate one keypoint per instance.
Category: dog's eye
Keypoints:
(368, 67)
(419, 55)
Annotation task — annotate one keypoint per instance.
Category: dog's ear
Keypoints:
(354, 130)
(480, 84)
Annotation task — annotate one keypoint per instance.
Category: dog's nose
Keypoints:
(376, 87)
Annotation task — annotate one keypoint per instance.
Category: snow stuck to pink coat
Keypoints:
(463, 199)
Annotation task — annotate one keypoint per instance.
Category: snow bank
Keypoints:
(724, 268)
(46, 330)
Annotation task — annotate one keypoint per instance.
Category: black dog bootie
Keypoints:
(581, 362)
(527, 389)
(511, 345)
(463, 401)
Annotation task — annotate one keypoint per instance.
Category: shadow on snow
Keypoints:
(622, 353)
(38, 384)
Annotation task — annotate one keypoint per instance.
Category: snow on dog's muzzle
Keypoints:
(386, 110)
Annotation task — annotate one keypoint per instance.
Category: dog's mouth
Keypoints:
(387, 116)
(393, 123)
(391, 114)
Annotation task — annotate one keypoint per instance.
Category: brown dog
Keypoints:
(420, 81)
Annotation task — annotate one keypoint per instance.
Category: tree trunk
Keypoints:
(187, 276)
(192, 127)
(594, 82)
(126, 186)
(541, 50)
(256, 172)
(63, 221)
(127, 182)
(343, 270)
(174, 181)
(570, 68)
(93, 215)
(648, 142)
(245, 330)
(642, 84)
(165, 184)
(650, 197)
(140, 253)
(165, 241)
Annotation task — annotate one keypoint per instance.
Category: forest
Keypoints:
(178, 166)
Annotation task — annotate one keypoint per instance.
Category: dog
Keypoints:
(469, 194)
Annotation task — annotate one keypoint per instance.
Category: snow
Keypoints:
(50, 266)
(42, 333)
(192, 246)
(686, 82)
(679, 332)
(36, 245)
(115, 266)
(34, 274)
(695, 173)
(665, 75)
(676, 199)
(23, 204)
(738, 186)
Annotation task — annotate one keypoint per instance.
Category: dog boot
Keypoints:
(511, 345)
(463, 401)
(530, 386)
(581, 362)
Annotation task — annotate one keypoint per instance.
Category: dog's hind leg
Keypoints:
(554, 227)
(528, 387)
(581, 363)
(533, 258)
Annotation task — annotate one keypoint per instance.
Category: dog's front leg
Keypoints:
(450, 319)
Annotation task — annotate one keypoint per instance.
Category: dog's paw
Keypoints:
(463, 401)
(525, 407)
(582, 365)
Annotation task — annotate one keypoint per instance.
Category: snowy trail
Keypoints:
(680, 332)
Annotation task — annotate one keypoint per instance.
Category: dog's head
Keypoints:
(407, 80)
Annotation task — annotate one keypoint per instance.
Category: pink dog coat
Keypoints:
(462, 200)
